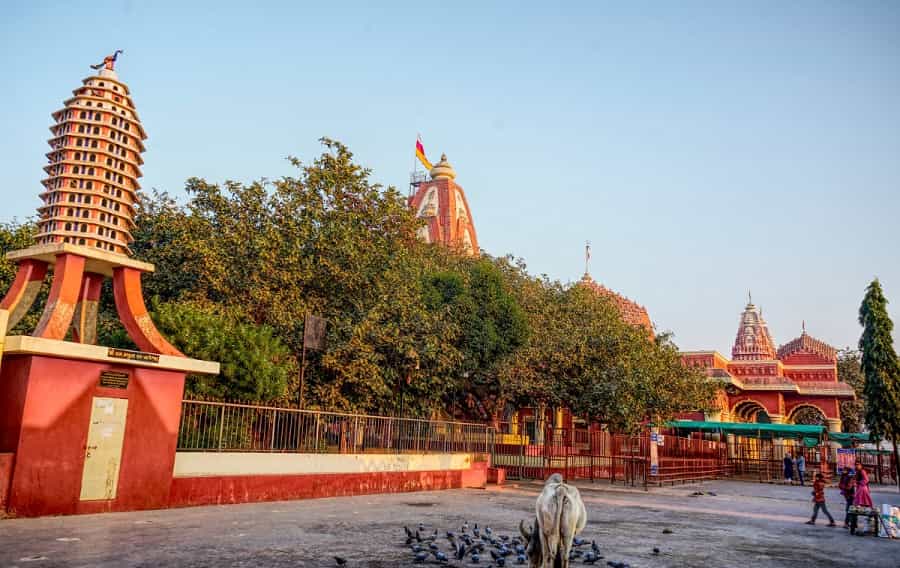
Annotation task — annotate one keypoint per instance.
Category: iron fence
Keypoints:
(235, 427)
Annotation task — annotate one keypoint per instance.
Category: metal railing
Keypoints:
(236, 427)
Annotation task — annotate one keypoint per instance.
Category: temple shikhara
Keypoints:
(763, 384)
(442, 203)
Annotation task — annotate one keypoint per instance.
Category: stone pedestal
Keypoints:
(92, 429)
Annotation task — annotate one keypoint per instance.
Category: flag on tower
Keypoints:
(420, 153)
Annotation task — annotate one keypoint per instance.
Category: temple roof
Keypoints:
(753, 341)
(630, 311)
(808, 344)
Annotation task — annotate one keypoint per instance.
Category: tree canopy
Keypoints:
(240, 265)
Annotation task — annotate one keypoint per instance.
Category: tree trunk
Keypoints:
(896, 465)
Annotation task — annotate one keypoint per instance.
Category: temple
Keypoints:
(86, 428)
(763, 384)
(442, 203)
(630, 311)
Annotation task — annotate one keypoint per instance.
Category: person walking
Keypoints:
(801, 467)
(819, 501)
(788, 469)
(847, 485)
(862, 497)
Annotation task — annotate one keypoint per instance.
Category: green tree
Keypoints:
(490, 326)
(255, 364)
(880, 367)
(853, 412)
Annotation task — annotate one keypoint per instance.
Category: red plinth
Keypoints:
(45, 414)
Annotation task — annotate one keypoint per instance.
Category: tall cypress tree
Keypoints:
(880, 367)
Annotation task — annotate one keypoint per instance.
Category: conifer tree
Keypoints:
(880, 367)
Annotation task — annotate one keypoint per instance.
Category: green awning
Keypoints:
(846, 439)
(751, 429)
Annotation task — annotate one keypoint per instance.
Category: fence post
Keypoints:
(272, 436)
(221, 427)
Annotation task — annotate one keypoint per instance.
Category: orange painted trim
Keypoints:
(133, 313)
(60, 308)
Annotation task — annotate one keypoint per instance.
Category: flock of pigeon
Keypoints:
(483, 546)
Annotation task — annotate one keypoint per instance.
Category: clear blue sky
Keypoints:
(704, 148)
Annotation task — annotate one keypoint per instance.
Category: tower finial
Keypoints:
(749, 297)
(587, 258)
(803, 327)
(109, 61)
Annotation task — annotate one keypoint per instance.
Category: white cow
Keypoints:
(559, 516)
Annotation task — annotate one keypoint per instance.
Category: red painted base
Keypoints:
(6, 463)
(45, 412)
(190, 491)
(496, 475)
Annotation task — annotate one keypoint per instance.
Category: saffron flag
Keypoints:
(420, 153)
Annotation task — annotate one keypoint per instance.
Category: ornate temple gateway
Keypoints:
(764, 384)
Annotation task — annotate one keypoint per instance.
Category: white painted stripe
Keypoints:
(205, 464)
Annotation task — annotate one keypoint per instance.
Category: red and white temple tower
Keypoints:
(85, 428)
(762, 383)
(442, 202)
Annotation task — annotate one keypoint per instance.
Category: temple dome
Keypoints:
(93, 166)
(630, 311)
(443, 169)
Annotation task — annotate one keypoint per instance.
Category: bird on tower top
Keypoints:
(108, 62)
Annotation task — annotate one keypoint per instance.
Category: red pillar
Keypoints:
(134, 315)
(63, 297)
(18, 300)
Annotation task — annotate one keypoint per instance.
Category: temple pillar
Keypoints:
(21, 295)
(134, 315)
(84, 324)
(558, 418)
(67, 276)
(514, 424)
(777, 418)
(833, 424)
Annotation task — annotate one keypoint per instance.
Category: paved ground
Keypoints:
(744, 525)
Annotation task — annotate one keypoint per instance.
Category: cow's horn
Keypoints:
(522, 530)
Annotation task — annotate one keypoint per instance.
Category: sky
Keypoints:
(706, 149)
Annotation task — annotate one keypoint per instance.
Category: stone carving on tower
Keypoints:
(753, 341)
(85, 222)
(442, 204)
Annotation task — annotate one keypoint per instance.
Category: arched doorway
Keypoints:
(807, 414)
(750, 411)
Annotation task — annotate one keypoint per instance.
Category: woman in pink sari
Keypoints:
(862, 497)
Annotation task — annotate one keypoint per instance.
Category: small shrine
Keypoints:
(90, 428)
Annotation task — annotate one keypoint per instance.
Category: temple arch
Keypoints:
(750, 410)
(807, 413)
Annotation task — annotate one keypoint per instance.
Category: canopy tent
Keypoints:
(758, 430)
(847, 438)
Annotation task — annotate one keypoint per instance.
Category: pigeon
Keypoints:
(575, 554)
(340, 561)
(432, 546)
(488, 530)
(495, 556)
(461, 552)
(439, 556)
(451, 535)
(595, 548)
(579, 541)
(409, 533)
(501, 561)
(520, 559)
(421, 557)
(590, 558)
(504, 537)
(465, 526)
(655, 550)
(421, 527)
(417, 548)
(476, 559)
(711, 493)
(667, 531)
(418, 537)
(520, 549)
